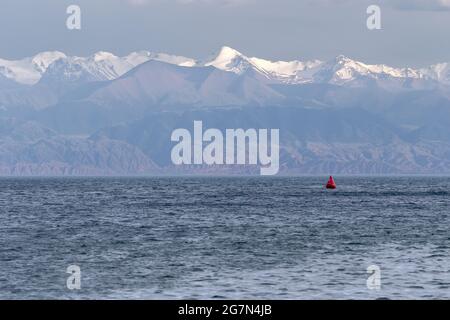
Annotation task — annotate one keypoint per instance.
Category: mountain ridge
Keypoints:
(103, 66)
(110, 115)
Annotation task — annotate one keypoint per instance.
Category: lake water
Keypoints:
(230, 238)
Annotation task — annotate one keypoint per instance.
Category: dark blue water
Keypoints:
(274, 238)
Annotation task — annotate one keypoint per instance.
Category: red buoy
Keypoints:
(331, 184)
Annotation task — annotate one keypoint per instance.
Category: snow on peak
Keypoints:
(44, 59)
(229, 59)
(103, 55)
(138, 57)
(228, 53)
(342, 69)
(172, 59)
(341, 59)
(107, 66)
(439, 72)
(29, 70)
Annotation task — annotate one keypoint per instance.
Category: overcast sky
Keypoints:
(414, 32)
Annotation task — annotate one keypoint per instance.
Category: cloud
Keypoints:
(186, 2)
(137, 2)
(422, 5)
(220, 2)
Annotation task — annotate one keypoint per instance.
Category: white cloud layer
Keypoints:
(209, 2)
(426, 5)
(431, 5)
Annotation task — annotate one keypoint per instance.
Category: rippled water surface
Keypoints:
(274, 238)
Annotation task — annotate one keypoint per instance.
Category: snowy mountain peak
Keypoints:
(341, 59)
(439, 72)
(227, 53)
(173, 59)
(229, 59)
(343, 69)
(138, 57)
(103, 66)
(29, 70)
(103, 55)
(107, 66)
(44, 59)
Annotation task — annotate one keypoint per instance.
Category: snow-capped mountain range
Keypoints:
(104, 114)
(56, 66)
(100, 66)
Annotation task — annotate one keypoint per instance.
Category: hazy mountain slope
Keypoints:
(298, 127)
(160, 84)
(408, 108)
(27, 148)
(345, 141)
